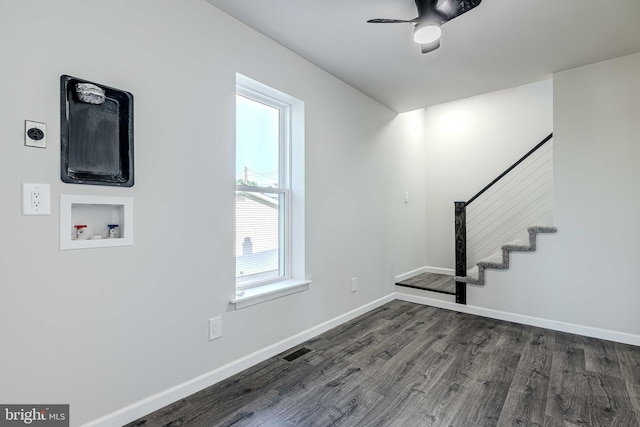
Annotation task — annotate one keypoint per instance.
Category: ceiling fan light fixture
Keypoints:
(427, 33)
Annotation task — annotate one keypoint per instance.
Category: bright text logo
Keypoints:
(34, 415)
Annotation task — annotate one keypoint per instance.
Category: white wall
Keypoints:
(470, 142)
(588, 273)
(103, 328)
(408, 226)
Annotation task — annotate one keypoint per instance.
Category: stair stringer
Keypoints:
(500, 259)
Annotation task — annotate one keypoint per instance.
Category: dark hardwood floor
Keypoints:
(410, 365)
(431, 282)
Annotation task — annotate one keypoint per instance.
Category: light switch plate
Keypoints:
(215, 328)
(35, 138)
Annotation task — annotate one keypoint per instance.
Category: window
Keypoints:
(268, 156)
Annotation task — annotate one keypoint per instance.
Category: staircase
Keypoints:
(500, 259)
(501, 223)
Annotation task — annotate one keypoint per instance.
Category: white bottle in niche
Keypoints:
(113, 231)
(80, 229)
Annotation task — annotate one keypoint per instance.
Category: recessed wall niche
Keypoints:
(95, 221)
(96, 130)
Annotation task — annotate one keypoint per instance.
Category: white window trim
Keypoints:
(268, 291)
(294, 270)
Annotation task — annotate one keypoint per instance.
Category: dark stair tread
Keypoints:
(431, 282)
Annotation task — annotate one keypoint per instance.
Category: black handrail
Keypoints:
(523, 158)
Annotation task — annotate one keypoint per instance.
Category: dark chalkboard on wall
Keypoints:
(96, 137)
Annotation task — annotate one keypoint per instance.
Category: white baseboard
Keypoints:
(425, 269)
(588, 331)
(410, 274)
(164, 398)
(438, 270)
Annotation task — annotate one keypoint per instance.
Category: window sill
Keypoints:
(263, 293)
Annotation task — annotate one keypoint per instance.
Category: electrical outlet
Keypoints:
(36, 199)
(215, 328)
(35, 134)
(354, 284)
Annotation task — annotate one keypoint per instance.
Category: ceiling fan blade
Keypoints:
(426, 48)
(425, 6)
(454, 8)
(387, 21)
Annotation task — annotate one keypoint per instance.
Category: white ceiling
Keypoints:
(499, 44)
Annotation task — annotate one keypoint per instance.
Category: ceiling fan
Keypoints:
(432, 14)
